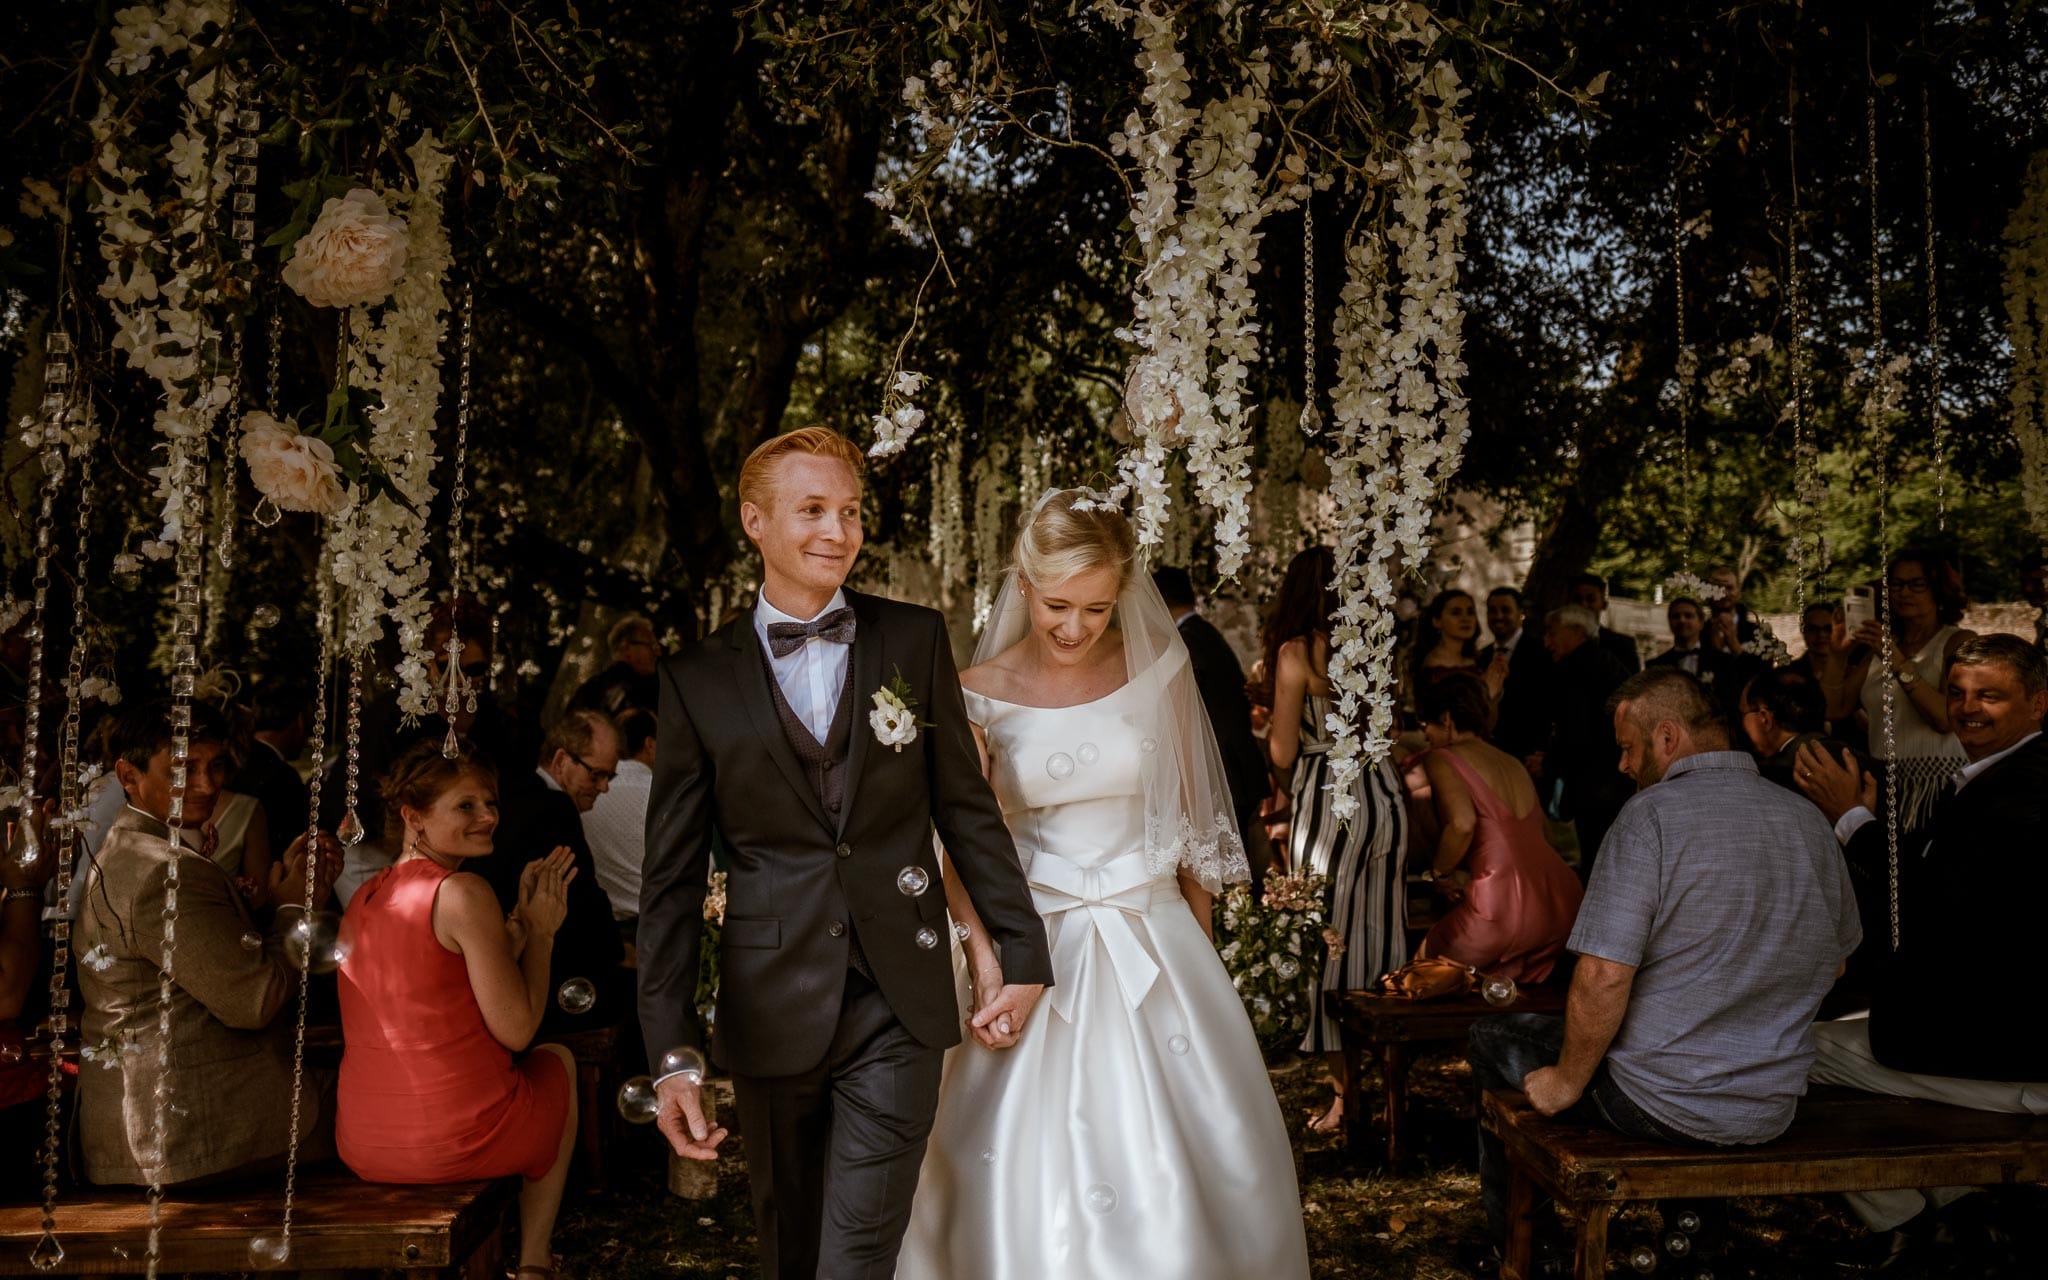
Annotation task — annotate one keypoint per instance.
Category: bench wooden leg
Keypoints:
(1356, 1126)
(590, 1123)
(1589, 1248)
(1394, 1070)
(1521, 1242)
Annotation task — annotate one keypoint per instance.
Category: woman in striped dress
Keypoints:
(1362, 859)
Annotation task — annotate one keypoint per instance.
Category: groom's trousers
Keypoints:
(834, 1153)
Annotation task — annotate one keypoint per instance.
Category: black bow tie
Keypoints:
(836, 627)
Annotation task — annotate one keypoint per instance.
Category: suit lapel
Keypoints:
(864, 676)
(751, 675)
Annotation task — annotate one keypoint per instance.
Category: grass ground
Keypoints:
(1423, 1225)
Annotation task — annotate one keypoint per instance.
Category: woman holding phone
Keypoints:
(1927, 607)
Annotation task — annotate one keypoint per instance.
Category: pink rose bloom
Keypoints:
(354, 254)
(296, 472)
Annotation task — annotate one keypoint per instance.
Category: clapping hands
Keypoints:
(544, 893)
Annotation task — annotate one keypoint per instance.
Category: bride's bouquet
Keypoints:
(1274, 947)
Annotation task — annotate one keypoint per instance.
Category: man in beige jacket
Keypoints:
(229, 1082)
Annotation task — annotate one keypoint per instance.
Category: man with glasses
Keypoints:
(539, 811)
(629, 682)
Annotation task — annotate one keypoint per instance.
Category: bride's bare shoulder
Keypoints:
(996, 678)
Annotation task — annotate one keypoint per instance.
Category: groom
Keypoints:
(836, 998)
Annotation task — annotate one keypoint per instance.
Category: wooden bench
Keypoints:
(1388, 1028)
(1841, 1140)
(339, 1223)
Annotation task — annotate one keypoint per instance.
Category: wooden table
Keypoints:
(1388, 1028)
(1841, 1140)
(339, 1223)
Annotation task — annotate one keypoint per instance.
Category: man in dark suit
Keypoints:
(1220, 680)
(1589, 592)
(1721, 673)
(1521, 719)
(629, 681)
(1582, 758)
(541, 809)
(836, 1000)
(279, 724)
(1970, 887)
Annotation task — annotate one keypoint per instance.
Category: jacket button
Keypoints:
(844, 851)
(837, 929)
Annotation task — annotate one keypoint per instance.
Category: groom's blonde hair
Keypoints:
(1058, 542)
(821, 442)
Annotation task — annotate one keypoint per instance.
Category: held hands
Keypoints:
(681, 1118)
(1835, 786)
(1550, 1091)
(999, 1019)
(544, 893)
(288, 874)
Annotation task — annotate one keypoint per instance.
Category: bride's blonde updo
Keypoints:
(1058, 540)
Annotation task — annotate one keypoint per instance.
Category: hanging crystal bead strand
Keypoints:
(1936, 417)
(1686, 368)
(351, 832)
(1311, 416)
(48, 1251)
(242, 198)
(459, 692)
(1877, 411)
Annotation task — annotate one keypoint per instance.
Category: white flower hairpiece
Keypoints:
(1096, 500)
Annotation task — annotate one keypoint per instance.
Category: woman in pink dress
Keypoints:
(440, 997)
(1513, 900)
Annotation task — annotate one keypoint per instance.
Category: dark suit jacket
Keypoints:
(616, 690)
(1220, 681)
(1722, 673)
(1622, 649)
(533, 820)
(1971, 884)
(800, 888)
(1521, 723)
(1582, 751)
(279, 791)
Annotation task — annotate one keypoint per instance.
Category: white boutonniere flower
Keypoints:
(894, 718)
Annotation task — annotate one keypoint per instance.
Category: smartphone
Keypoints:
(1859, 607)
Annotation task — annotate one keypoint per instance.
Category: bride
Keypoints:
(1132, 1130)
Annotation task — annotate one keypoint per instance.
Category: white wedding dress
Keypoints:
(1132, 1131)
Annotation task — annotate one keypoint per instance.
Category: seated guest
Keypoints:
(1589, 592)
(629, 681)
(231, 1071)
(1516, 662)
(1713, 667)
(616, 824)
(1970, 887)
(22, 1081)
(542, 810)
(441, 995)
(1579, 759)
(1717, 918)
(1220, 680)
(1513, 898)
(280, 726)
(1447, 640)
(1781, 712)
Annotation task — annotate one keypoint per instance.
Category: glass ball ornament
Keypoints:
(988, 1155)
(265, 616)
(576, 995)
(1288, 968)
(638, 1102)
(927, 938)
(684, 1061)
(1059, 766)
(1497, 991)
(1677, 1243)
(1149, 745)
(1178, 1044)
(1688, 1222)
(1088, 753)
(252, 942)
(1643, 1259)
(1099, 1198)
(912, 881)
(269, 1252)
(313, 942)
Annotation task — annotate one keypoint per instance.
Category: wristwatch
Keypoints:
(1906, 677)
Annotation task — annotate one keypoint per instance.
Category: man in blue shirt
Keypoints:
(1718, 915)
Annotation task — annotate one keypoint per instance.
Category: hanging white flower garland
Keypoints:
(1399, 418)
(2026, 310)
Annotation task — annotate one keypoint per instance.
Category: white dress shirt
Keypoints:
(616, 827)
(1853, 821)
(812, 677)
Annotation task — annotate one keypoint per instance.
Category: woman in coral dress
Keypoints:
(1513, 900)
(440, 995)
